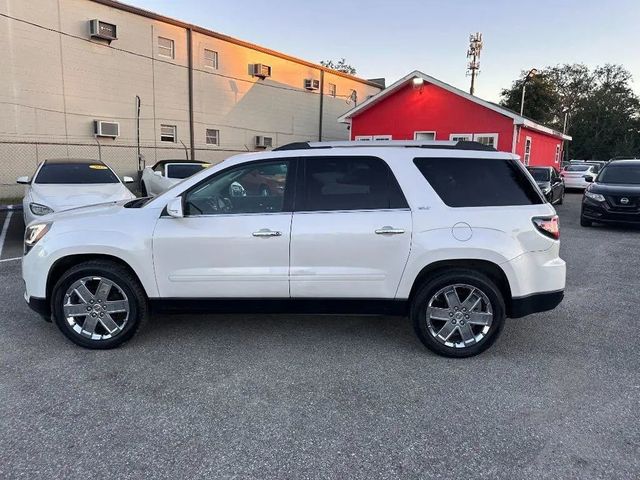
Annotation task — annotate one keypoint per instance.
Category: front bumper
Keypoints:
(39, 305)
(538, 302)
(603, 212)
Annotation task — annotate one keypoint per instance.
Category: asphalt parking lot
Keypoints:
(332, 396)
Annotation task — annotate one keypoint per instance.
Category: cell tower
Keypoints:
(473, 54)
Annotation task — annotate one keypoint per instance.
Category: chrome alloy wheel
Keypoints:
(96, 308)
(459, 315)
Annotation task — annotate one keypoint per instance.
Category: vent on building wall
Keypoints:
(260, 70)
(311, 84)
(263, 142)
(106, 129)
(103, 30)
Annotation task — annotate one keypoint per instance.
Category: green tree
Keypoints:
(541, 97)
(340, 65)
(601, 110)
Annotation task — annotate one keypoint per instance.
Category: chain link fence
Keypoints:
(22, 158)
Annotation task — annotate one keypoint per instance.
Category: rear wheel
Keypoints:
(459, 313)
(98, 304)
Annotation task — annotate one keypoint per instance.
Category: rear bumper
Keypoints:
(538, 302)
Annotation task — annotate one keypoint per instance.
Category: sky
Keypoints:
(392, 38)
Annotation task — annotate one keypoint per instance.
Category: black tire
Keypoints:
(143, 190)
(561, 199)
(430, 288)
(584, 222)
(123, 279)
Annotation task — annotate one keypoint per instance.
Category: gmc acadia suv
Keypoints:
(453, 234)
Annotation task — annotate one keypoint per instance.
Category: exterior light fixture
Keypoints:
(418, 83)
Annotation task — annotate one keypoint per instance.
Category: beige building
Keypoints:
(69, 64)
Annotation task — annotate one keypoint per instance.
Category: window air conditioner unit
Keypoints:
(311, 84)
(106, 129)
(260, 70)
(263, 142)
(103, 30)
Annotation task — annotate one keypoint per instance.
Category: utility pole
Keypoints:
(473, 54)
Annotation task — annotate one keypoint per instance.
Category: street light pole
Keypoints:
(532, 73)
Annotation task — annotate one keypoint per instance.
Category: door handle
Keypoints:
(389, 231)
(265, 232)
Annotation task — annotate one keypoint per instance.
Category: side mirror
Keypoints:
(588, 178)
(23, 180)
(174, 208)
(127, 179)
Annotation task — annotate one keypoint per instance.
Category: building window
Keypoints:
(488, 139)
(460, 137)
(168, 133)
(428, 135)
(363, 138)
(381, 137)
(213, 136)
(166, 47)
(332, 90)
(211, 59)
(527, 150)
(557, 159)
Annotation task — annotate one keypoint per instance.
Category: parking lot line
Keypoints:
(5, 227)
(10, 259)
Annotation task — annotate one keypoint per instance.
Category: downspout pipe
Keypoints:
(190, 74)
(321, 105)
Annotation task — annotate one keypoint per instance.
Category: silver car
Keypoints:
(574, 175)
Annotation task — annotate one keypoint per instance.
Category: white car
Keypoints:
(167, 173)
(574, 175)
(456, 236)
(67, 183)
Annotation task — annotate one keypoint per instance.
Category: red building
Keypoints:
(419, 107)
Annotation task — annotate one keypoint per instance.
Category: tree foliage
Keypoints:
(340, 65)
(602, 111)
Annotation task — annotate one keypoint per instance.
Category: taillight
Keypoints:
(549, 226)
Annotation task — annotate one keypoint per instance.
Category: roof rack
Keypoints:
(439, 144)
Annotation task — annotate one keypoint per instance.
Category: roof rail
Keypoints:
(439, 144)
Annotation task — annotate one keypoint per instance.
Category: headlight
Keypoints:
(40, 210)
(33, 234)
(594, 196)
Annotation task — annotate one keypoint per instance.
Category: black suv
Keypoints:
(614, 197)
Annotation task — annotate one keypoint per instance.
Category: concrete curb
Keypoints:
(10, 207)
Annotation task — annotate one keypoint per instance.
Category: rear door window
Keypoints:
(349, 183)
(184, 170)
(479, 182)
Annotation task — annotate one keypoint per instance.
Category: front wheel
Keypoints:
(584, 222)
(98, 304)
(459, 313)
(561, 199)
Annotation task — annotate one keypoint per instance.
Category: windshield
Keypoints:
(623, 174)
(75, 173)
(184, 170)
(577, 168)
(540, 174)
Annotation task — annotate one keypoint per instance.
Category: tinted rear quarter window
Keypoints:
(75, 173)
(478, 182)
(349, 183)
(183, 171)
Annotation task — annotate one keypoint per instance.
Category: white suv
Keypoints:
(455, 235)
